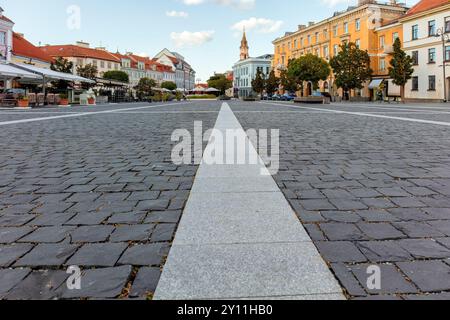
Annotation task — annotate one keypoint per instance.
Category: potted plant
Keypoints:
(64, 99)
(22, 101)
(91, 100)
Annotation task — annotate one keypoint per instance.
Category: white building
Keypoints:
(184, 73)
(422, 27)
(245, 70)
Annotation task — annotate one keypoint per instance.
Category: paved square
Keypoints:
(96, 187)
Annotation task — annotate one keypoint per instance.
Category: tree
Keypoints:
(401, 68)
(258, 83)
(351, 67)
(289, 82)
(65, 66)
(169, 85)
(88, 71)
(116, 75)
(220, 82)
(272, 83)
(144, 87)
(309, 68)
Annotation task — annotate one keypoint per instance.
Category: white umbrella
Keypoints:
(212, 90)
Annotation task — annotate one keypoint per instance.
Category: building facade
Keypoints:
(245, 70)
(6, 37)
(357, 24)
(81, 55)
(421, 26)
(184, 73)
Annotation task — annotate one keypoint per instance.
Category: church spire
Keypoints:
(244, 47)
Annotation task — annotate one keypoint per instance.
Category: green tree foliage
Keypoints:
(144, 87)
(401, 69)
(64, 66)
(116, 75)
(258, 83)
(351, 67)
(289, 82)
(169, 85)
(309, 68)
(88, 71)
(272, 83)
(220, 82)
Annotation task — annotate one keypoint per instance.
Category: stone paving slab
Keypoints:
(243, 271)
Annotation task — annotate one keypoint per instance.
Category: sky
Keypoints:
(206, 32)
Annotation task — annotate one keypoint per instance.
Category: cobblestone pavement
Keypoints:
(370, 191)
(97, 191)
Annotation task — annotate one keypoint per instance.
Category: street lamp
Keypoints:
(445, 38)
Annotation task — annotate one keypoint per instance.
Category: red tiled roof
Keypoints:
(4, 18)
(426, 5)
(23, 48)
(79, 52)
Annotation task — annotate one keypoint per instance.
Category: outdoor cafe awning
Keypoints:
(51, 75)
(376, 83)
(10, 71)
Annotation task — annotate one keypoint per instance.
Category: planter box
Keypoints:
(23, 103)
(64, 102)
(311, 100)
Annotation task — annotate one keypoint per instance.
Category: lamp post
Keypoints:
(445, 38)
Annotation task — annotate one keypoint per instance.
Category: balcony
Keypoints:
(388, 49)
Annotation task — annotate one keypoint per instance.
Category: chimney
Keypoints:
(301, 26)
(129, 53)
(20, 35)
(310, 24)
(1, 12)
(101, 48)
(363, 2)
(82, 44)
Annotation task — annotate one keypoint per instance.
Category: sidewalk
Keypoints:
(240, 239)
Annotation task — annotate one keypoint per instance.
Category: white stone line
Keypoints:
(83, 114)
(362, 114)
(240, 239)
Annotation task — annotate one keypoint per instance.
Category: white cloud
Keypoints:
(238, 4)
(191, 39)
(177, 14)
(333, 3)
(260, 25)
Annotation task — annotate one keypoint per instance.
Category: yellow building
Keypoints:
(357, 24)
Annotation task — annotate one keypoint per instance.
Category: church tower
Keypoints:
(244, 47)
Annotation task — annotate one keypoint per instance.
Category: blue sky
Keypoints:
(206, 32)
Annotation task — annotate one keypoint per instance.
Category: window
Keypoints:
(301, 42)
(447, 25)
(415, 58)
(2, 38)
(345, 27)
(432, 55)
(102, 64)
(358, 24)
(79, 62)
(295, 44)
(382, 64)
(326, 54)
(335, 50)
(431, 83)
(432, 28)
(94, 62)
(289, 45)
(325, 33)
(394, 36)
(335, 31)
(415, 32)
(447, 53)
(278, 49)
(317, 37)
(109, 65)
(309, 39)
(358, 43)
(382, 42)
(415, 84)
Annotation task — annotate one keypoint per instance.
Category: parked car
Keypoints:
(288, 97)
(276, 97)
